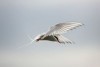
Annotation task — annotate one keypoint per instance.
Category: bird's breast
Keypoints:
(50, 38)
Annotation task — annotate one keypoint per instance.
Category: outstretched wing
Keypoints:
(62, 28)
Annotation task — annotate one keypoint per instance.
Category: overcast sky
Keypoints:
(19, 18)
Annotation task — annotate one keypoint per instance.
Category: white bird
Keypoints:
(56, 31)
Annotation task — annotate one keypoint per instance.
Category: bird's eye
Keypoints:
(37, 39)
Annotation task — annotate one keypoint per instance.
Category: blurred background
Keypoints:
(19, 18)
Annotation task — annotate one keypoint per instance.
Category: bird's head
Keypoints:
(38, 37)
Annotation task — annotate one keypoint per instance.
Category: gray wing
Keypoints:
(62, 28)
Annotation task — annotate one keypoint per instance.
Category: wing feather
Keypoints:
(62, 28)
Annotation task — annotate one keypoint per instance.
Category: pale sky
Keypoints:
(19, 18)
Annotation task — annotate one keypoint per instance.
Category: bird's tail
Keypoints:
(63, 39)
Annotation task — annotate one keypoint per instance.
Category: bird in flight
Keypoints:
(55, 32)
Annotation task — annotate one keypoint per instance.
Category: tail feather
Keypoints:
(62, 39)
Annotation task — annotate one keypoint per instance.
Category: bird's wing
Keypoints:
(62, 28)
(63, 39)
